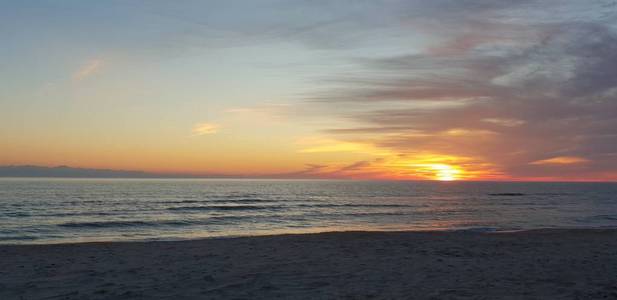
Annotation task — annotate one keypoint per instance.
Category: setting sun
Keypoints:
(440, 167)
(445, 172)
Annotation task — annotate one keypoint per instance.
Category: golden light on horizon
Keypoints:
(436, 167)
(445, 172)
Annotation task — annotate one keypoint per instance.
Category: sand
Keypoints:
(544, 264)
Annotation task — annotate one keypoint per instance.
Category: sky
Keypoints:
(444, 89)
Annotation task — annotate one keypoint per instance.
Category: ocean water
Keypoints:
(79, 210)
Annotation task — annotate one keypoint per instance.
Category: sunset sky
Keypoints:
(477, 90)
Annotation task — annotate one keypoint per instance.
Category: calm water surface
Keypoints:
(69, 210)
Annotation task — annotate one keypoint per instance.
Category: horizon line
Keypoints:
(140, 174)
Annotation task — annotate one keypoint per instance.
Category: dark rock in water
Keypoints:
(507, 194)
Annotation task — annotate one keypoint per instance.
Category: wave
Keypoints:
(71, 214)
(372, 214)
(135, 223)
(215, 220)
(18, 238)
(17, 214)
(68, 214)
(531, 194)
(599, 218)
(356, 205)
(336, 215)
(180, 201)
(227, 207)
(481, 229)
(242, 200)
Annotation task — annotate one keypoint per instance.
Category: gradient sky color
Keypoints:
(482, 90)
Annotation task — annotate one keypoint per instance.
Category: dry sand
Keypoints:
(546, 264)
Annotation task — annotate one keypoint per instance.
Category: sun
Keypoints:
(445, 172)
(437, 167)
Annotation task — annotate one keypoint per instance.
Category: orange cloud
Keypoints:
(504, 122)
(323, 145)
(561, 160)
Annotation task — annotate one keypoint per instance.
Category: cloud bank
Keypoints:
(527, 87)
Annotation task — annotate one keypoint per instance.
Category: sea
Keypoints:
(44, 210)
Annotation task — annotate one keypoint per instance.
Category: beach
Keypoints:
(536, 264)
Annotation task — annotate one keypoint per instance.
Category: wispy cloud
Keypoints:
(205, 128)
(561, 160)
(317, 144)
(504, 122)
(88, 69)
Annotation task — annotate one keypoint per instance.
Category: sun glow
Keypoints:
(438, 167)
(445, 172)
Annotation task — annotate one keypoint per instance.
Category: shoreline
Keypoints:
(530, 264)
(481, 230)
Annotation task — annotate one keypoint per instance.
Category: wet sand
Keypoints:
(542, 264)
